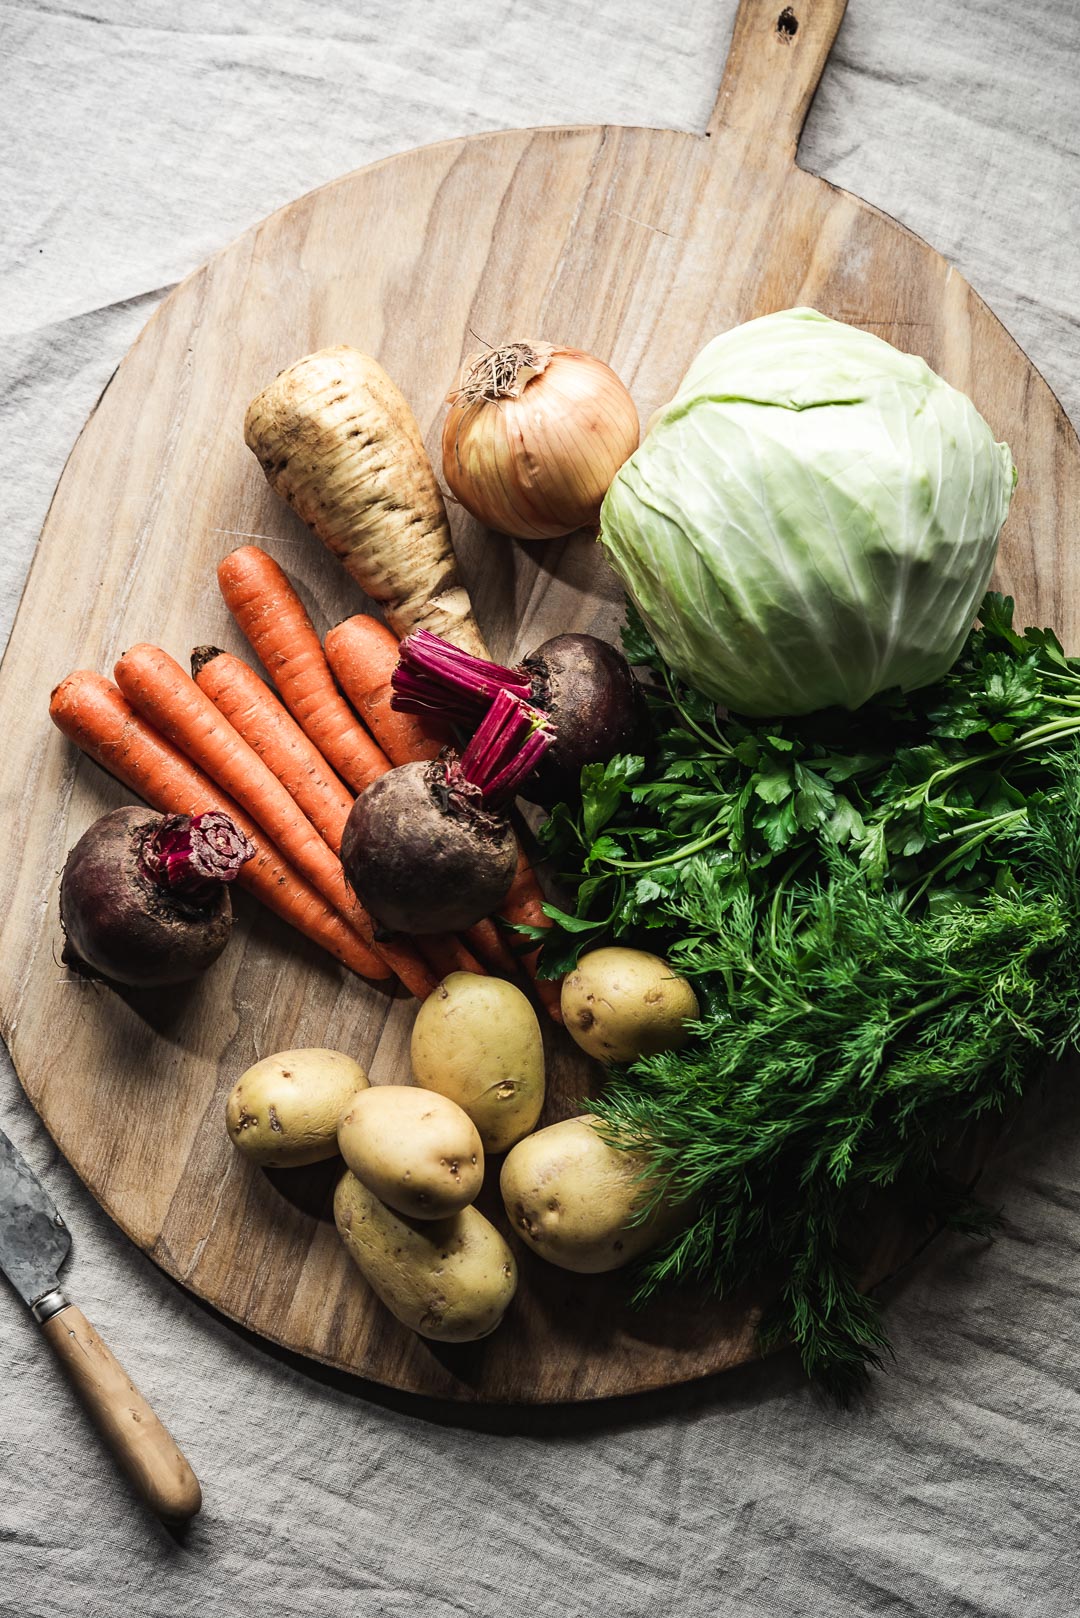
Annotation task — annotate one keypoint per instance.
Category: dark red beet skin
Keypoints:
(425, 856)
(593, 707)
(120, 924)
(596, 708)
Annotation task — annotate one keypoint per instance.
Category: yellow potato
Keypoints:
(477, 1040)
(448, 1279)
(284, 1111)
(571, 1197)
(619, 1004)
(416, 1150)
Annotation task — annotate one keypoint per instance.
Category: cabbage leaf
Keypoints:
(812, 519)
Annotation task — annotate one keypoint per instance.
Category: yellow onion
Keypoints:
(534, 436)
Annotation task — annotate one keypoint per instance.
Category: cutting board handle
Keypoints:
(777, 56)
(136, 1436)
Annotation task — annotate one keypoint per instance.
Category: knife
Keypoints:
(34, 1242)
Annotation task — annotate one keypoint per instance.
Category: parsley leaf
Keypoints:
(880, 912)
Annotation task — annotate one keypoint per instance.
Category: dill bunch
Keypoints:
(853, 1042)
(881, 915)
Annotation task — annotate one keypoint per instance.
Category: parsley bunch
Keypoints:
(881, 914)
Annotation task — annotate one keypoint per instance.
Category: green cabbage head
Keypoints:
(813, 518)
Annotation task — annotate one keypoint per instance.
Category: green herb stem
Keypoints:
(880, 912)
(1058, 729)
(684, 852)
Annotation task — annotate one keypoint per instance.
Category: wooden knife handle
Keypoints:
(139, 1441)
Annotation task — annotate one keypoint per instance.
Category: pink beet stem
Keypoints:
(434, 676)
(191, 855)
(509, 743)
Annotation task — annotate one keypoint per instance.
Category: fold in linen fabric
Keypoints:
(135, 140)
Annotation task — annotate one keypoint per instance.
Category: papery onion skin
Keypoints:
(537, 466)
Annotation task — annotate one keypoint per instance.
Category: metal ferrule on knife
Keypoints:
(49, 1305)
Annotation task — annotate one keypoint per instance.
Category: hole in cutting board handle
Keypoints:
(787, 24)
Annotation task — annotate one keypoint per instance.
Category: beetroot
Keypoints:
(593, 704)
(143, 897)
(427, 848)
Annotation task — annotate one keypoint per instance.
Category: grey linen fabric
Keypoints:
(136, 139)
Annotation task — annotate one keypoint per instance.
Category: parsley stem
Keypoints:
(715, 741)
(982, 829)
(1029, 739)
(1071, 678)
(681, 853)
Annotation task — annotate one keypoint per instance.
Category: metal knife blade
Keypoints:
(34, 1241)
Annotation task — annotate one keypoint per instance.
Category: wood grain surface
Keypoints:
(638, 245)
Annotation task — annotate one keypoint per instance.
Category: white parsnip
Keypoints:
(337, 440)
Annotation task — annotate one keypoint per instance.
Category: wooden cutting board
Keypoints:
(636, 244)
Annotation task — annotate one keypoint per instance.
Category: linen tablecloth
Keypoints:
(136, 139)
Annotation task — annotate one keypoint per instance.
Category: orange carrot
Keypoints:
(272, 617)
(168, 698)
(492, 948)
(257, 715)
(255, 712)
(447, 954)
(405, 959)
(93, 714)
(363, 654)
(523, 906)
(489, 943)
